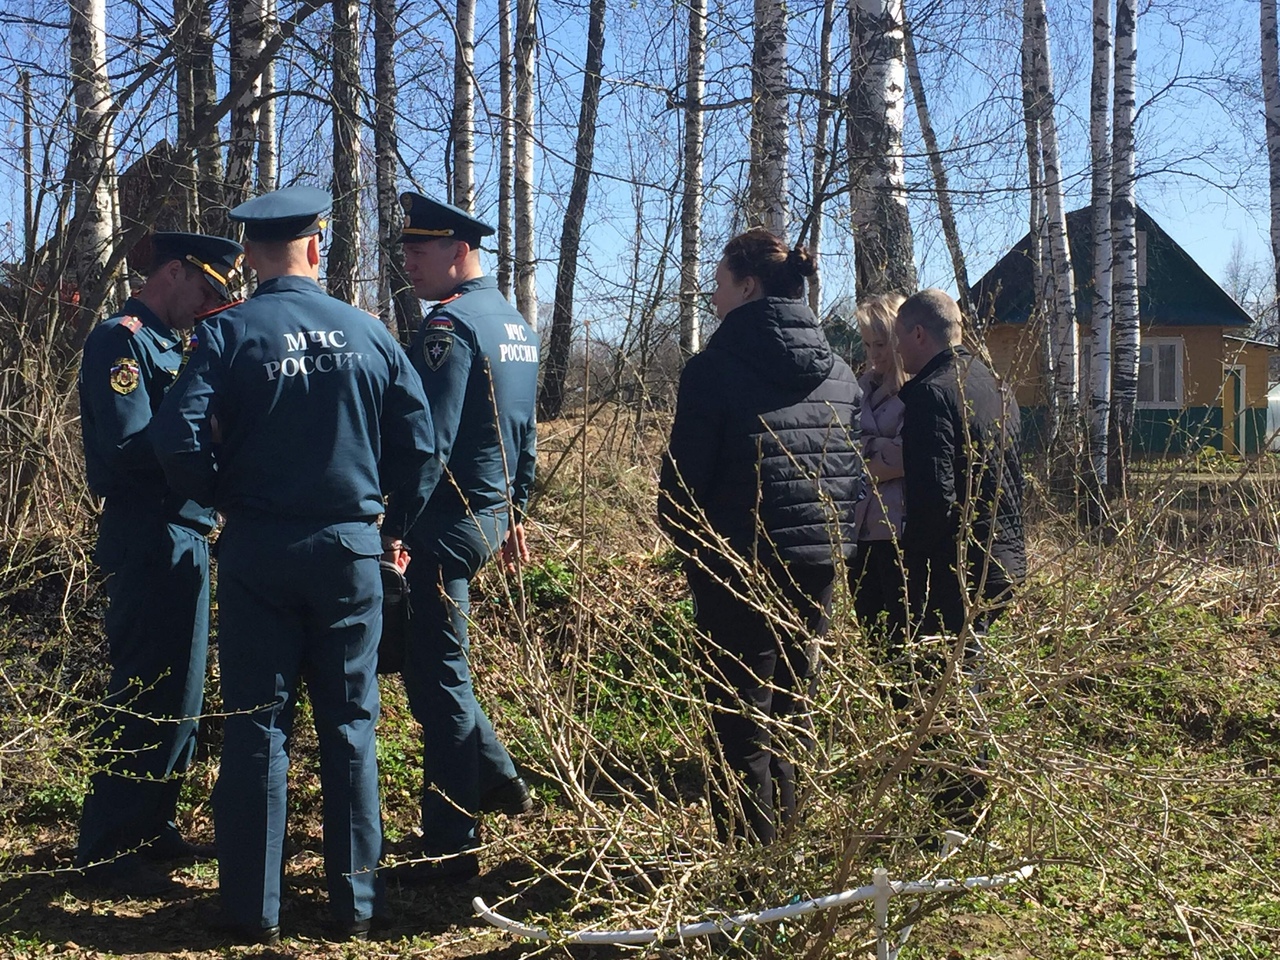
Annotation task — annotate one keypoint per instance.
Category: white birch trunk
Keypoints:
(507, 151)
(767, 178)
(884, 254)
(1100, 207)
(1126, 337)
(464, 106)
(92, 160)
(691, 206)
(525, 259)
(248, 36)
(1271, 105)
(821, 151)
(1065, 337)
(344, 228)
(936, 166)
(268, 140)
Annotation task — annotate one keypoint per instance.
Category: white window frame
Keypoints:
(1180, 361)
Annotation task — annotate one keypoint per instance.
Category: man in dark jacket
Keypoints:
(962, 477)
(294, 416)
(152, 545)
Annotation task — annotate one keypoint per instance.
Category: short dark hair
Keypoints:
(762, 254)
(934, 310)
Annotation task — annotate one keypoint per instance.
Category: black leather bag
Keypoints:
(396, 613)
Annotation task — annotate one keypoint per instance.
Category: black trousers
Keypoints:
(878, 587)
(762, 677)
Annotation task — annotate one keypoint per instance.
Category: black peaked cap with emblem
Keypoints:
(428, 219)
(288, 214)
(216, 257)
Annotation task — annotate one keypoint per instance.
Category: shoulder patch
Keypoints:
(130, 323)
(125, 375)
(436, 346)
(439, 323)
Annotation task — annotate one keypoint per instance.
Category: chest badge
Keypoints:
(124, 375)
(436, 346)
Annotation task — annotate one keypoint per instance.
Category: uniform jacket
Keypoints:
(960, 454)
(318, 409)
(478, 361)
(880, 512)
(764, 447)
(129, 362)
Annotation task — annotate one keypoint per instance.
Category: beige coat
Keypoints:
(880, 513)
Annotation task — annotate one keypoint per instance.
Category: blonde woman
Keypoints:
(875, 575)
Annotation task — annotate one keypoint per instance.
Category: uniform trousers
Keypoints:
(462, 758)
(762, 680)
(157, 626)
(298, 600)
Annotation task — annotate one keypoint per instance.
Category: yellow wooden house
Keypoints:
(1201, 380)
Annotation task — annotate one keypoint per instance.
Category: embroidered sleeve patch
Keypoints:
(124, 375)
(436, 346)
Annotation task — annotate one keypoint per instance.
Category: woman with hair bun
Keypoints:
(758, 489)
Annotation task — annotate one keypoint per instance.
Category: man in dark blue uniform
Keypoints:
(479, 365)
(293, 418)
(152, 547)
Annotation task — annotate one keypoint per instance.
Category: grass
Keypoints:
(1130, 721)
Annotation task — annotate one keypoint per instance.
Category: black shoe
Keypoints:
(512, 798)
(457, 867)
(170, 847)
(356, 930)
(247, 934)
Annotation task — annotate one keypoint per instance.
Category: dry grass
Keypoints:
(1130, 717)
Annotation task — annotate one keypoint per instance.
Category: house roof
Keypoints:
(1177, 293)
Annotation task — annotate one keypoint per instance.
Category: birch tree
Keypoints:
(507, 148)
(556, 366)
(463, 122)
(398, 307)
(212, 209)
(1271, 107)
(91, 165)
(525, 259)
(942, 189)
(248, 38)
(1065, 335)
(767, 177)
(821, 149)
(185, 27)
(344, 233)
(268, 143)
(884, 255)
(1035, 186)
(1126, 336)
(1100, 209)
(691, 204)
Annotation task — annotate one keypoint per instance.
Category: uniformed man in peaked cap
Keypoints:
(479, 365)
(294, 417)
(152, 547)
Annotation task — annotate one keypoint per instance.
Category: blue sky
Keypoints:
(1200, 148)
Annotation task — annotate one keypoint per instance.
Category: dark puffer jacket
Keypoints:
(764, 448)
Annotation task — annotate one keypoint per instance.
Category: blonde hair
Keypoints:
(875, 317)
